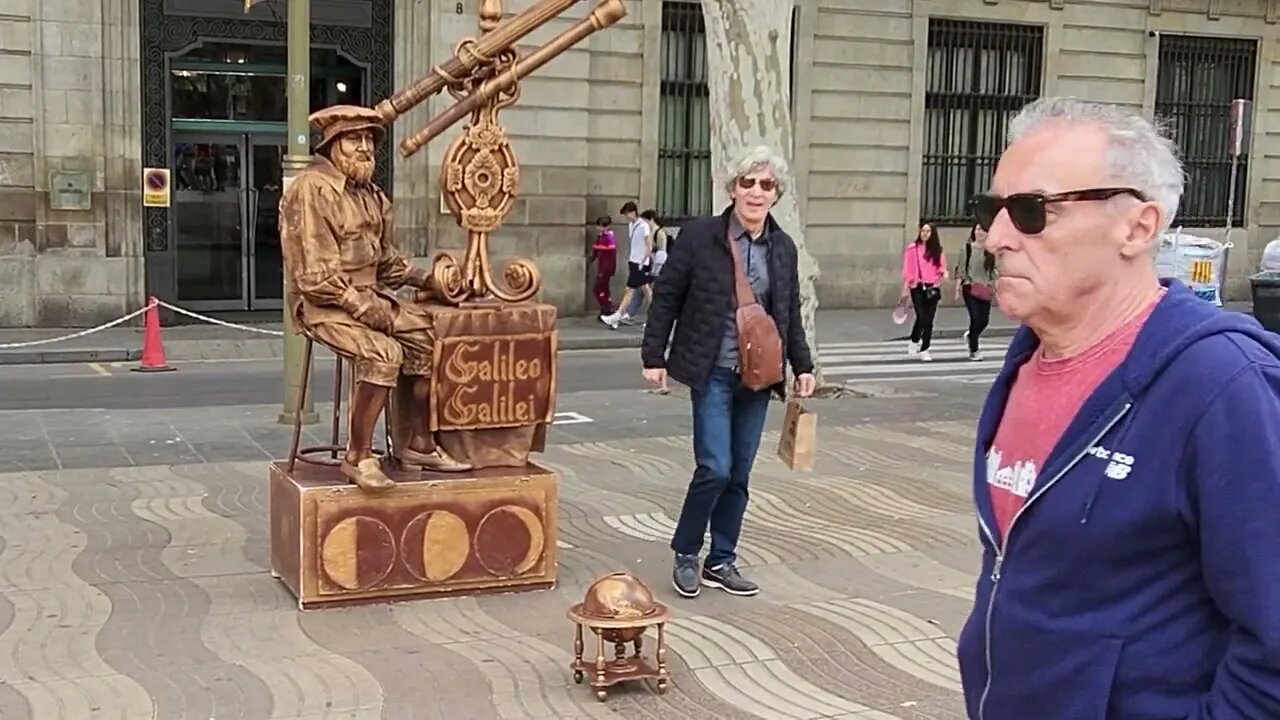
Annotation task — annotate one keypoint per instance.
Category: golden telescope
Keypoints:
(479, 173)
(486, 53)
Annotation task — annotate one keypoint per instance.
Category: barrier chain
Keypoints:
(215, 321)
(126, 318)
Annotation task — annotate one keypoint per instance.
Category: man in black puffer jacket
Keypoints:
(695, 293)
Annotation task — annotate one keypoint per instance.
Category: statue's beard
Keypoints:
(358, 169)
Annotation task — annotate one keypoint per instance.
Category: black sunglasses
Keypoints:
(1026, 210)
(766, 184)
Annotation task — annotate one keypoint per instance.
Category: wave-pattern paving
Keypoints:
(526, 675)
(937, 448)
(743, 671)
(48, 653)
(833, 658)
(304, 679)
(144, 593)
(153, 634)
(901, 639)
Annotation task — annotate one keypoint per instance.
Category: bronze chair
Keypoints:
(333, 448)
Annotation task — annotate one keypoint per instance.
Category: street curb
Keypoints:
(616, 342)
(187, 350)
(54, 357)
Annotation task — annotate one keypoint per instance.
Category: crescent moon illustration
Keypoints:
(536, 538)
(493, 538)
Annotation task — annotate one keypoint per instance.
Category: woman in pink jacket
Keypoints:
(923, 270)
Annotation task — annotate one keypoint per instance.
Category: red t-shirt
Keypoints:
(1044, 399)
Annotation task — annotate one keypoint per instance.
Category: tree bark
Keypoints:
(749, 78)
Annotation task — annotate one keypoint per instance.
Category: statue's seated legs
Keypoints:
(379, 359)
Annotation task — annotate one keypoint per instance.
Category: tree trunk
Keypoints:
(749, 76)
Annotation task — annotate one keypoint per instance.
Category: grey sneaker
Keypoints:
(727, 578)
(684, 576)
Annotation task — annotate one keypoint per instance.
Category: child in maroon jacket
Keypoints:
(606, 260)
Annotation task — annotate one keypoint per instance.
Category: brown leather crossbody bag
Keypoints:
(759, 344)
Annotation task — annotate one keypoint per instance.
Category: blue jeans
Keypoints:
(728, 419)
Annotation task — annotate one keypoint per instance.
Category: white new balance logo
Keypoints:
(1119, 465)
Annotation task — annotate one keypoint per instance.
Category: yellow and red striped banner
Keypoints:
(1201, 271)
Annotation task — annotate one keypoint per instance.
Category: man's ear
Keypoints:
(1143, 225)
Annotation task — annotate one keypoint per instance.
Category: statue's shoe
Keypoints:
(438, 461)
(367, 475)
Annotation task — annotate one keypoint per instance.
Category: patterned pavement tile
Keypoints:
(144, 592)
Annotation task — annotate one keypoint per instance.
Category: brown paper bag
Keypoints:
(799, 441)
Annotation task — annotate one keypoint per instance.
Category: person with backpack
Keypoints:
(975, 285)
(657, 244)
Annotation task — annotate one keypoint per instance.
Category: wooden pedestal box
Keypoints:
(490, 530)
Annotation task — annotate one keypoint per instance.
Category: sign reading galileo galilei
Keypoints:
(493, 382)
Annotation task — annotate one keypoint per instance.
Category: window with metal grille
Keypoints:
(979, 75)
(684, 126)
(685, 174)
(1197, 80)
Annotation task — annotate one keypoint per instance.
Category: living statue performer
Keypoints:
(339, 251)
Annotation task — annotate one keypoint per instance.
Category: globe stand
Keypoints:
(623, 668)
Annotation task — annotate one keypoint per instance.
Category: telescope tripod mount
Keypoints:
(480, 180)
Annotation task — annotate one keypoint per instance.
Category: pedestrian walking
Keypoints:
(658, 242)
(731, 281)
(605, 256)
(638, 258)
(1127, 463)
(923, 270)
(975, 280)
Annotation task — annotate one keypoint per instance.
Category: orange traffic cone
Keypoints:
(152, 346)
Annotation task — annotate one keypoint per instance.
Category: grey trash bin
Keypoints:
(1266, 298)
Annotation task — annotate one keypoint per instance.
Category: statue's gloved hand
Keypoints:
(419, 278)
(378, 313)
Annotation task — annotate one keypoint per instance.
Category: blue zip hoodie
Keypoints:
(1141, 580)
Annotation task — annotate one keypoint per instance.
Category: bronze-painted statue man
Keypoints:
(340, 254)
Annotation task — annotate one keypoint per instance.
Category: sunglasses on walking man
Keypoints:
(1027, 210)
(766, 184)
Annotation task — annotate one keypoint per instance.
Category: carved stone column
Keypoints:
(122, 143)
(413, 58)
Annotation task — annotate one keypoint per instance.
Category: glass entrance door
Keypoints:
(266, 184)
(209, 220)
(226, 216)
(227, 105)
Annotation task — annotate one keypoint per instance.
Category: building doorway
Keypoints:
(226, 196)
(227, 143)
(213, 81)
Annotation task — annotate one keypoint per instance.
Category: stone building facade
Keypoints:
(898, 104)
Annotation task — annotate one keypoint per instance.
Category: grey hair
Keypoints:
(755, 159)
(1140, 154)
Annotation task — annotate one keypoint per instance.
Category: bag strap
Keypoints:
(742, 286)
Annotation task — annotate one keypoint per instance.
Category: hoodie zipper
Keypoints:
(1001, 549)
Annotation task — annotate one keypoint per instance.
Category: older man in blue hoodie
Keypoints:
(1127, 469)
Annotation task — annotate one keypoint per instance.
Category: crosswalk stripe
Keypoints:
(901, 345)
(887, 361)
